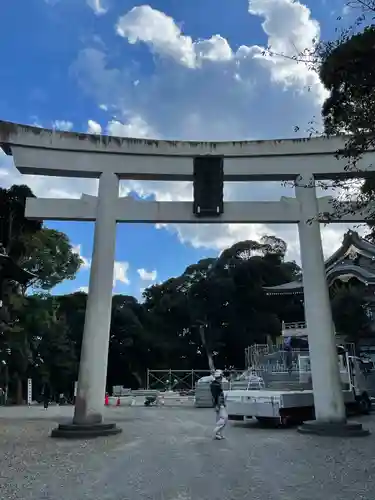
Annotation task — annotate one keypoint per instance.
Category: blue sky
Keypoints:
(183, 69)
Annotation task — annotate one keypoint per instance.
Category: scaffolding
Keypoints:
(285, 369)
(174, 380)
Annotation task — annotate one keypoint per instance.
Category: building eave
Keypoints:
(334, 267)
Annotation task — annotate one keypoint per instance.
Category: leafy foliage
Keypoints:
(14, 227)
(348, 72)
(49, 255)
(31, 334)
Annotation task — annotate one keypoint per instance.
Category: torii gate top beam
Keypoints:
(41, 151)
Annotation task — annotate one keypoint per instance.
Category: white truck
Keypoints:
(285, 397)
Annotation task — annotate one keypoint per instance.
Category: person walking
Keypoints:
(219, 404)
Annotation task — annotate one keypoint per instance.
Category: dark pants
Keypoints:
(46, 403)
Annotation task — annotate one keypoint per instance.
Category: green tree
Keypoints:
(131, 345)
(49, 255)
(46, 253)
(209, 302)
(54, 359)
(168, 320)
(72, 308)
(14, 227)
(348, 72)
(15, 347)
(230, 300)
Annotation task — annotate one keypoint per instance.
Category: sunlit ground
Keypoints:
(168, 454)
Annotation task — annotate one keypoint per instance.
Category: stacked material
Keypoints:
(203, 397)
(119, 390)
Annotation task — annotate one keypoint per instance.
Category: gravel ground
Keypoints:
(168, 454)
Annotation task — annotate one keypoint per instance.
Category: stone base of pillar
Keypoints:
(84, 431)
(339, 429)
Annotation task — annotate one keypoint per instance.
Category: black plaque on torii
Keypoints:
(208, 182)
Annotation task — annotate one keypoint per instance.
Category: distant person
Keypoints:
(288, 349)
(288, 344)
(46, 396)
(219, 404)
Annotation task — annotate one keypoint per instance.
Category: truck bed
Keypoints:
(268, 402)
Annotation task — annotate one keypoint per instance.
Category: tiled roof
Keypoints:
(335, 267)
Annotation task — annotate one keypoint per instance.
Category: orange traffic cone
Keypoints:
(118, 401)
(106, 400)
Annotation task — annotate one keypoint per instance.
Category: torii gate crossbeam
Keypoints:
(285, 211)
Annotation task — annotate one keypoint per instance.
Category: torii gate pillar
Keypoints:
(88, 414)
(329, 405)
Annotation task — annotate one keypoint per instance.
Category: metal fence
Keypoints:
(174, 380)
(181, 380)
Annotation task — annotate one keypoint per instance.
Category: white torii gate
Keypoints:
(45, 152)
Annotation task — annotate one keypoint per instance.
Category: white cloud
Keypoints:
(291, 31)
(62, 125)
(134, 127)
(120, 269)
(223, 236)
(147, 275)
(158, 30)
(296, 33)
(86, 261)
(36, 123)
(94, 127)
(161, 33)
(84, 289)
(97, 6)
(120, 273)
(206, 90)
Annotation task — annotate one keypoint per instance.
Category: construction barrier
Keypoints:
(137, 398)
